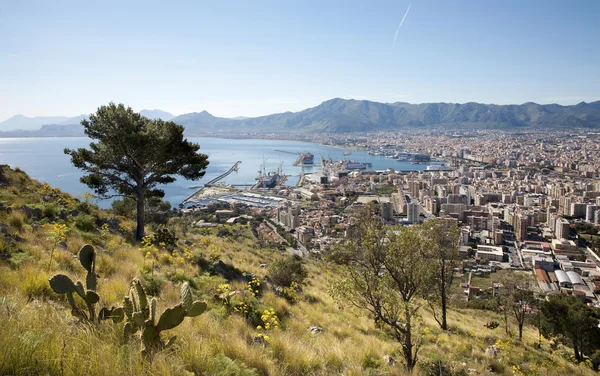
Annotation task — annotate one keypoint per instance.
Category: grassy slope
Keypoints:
(38, 334)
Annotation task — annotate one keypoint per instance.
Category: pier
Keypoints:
(233, 168)
(289, 152)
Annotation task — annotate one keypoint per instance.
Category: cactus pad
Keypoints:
(80, 290)
(171, 317)
(138, 318)
(61, 284)
(196, 309)
(90, 281)
(91, 297)
(86, 257)
(186, 296)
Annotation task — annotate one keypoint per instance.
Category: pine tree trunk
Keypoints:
(139, 233)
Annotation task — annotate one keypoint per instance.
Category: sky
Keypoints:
(252, 58)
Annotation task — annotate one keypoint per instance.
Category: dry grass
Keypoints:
(39, 335)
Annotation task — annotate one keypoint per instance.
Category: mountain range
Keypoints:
(24, 123)
(349, 115)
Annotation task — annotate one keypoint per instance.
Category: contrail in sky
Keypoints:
(398, 29)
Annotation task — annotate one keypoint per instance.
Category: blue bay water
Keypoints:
(44, 160)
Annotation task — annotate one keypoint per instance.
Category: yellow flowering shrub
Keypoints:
(254, 286)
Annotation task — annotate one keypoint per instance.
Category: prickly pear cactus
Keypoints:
(142, 316)
(192, 308)
(61, 284)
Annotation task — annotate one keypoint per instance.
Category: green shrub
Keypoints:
(285, 271)
(84, 207)
(223, 232)
(153, 283)
(85, 222)
(492, 325)
(50, 210)
(15, 220)
(221, 365)
(165, 238)
(369, 361)
(35, 285)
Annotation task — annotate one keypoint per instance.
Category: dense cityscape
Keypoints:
(523, 200)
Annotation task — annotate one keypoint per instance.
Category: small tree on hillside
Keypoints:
(573, 322)
(384, 273)
(517, 297)
(132, 155)
(445, 244)
(283, 272)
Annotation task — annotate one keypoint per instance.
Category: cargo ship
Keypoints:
(305, 159)
(308, 158)
(269, 179)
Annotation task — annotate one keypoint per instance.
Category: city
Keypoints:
(523, 200)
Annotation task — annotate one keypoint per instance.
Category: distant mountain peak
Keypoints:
(157, 114)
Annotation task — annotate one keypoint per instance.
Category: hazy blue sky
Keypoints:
(251, 58)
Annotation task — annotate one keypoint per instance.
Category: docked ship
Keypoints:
(308, 158)
(269, 179)
(441, 167)
(305, 159)
(355, 165)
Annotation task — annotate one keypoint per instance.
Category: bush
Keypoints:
(369, 361)
(16, 220)
(285, 271)
(221, 365)
(153, 283)
(223, 232)
(35, 285)
(165, 238)
(50, 211)
(85, 222)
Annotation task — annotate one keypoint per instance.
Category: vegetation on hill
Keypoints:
(249, 327)
(348, 115)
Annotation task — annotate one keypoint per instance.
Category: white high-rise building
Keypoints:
(414, 209)
(590, 212)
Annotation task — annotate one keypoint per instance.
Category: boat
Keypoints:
(270, 179)
(355, 165)
(441, 167)
(308, 158)
(305, 159)
(347, 152)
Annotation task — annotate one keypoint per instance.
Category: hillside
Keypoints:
(40, 336)
(349, 115)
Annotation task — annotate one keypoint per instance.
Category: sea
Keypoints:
(44, 160)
